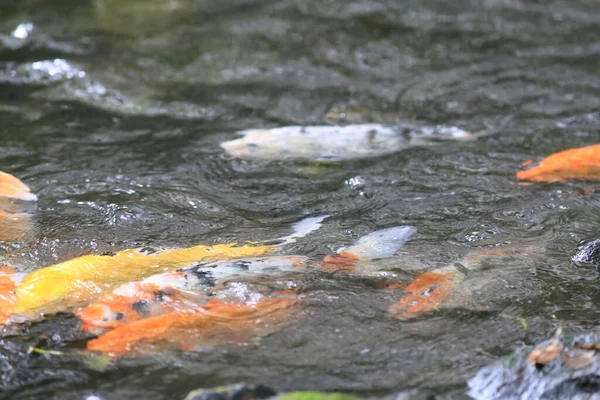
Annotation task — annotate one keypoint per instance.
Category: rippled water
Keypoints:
(113, 111)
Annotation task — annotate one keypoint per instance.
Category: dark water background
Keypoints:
(113, 111)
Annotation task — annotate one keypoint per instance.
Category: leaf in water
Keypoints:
(46, 352)
(545, 355)
(97, 362)
(310, 395)
(580, 359)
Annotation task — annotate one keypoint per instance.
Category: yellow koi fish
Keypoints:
(76, 282)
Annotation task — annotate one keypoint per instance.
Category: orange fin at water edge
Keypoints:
(574, 164)
(423, 294)
(13, 188)
(216, 323)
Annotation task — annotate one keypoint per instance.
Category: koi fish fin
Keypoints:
(13, 188)
(302, 228)
(380, 244)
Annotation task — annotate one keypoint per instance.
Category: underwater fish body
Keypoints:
(454, 284)
(573, 164)
(337, 142)
(215, 323)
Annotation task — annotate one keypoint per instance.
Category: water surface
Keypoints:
(113, 111)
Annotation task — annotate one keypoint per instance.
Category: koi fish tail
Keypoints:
(380, 244)
(428, 290)
(302, 228)
(216, 323)
(376, 245)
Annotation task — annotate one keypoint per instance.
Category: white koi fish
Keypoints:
(338, 142)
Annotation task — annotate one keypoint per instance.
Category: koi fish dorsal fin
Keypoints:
(380, 244)
(303, 228)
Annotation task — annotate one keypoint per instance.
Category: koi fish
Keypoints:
(337, 142)
(215, 323)
(574, 164)
(14, 224)
(15, 201)
(13, 188)
(431, 289)
(165, 306)
(76, 282)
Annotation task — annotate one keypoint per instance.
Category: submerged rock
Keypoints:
(588, 254)
(572, 372)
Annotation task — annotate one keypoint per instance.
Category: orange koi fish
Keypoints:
(215, 323)
(574, 164)
(430, 289)
(153, 312)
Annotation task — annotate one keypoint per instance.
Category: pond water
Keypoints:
(113, 112)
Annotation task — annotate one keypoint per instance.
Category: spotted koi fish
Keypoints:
(74, 283)
(337, 142)
(574, 164)
(133, 309)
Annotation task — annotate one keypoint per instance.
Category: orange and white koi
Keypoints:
(574, 164)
